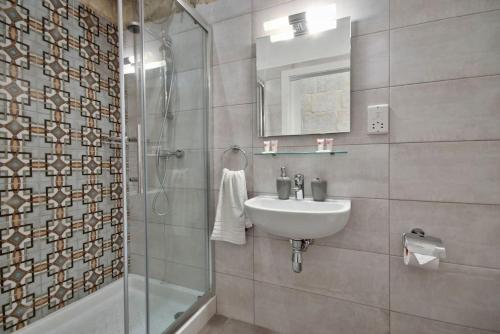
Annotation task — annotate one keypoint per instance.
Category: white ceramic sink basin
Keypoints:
(298, 219)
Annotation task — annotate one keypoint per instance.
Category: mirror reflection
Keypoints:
(303, 74)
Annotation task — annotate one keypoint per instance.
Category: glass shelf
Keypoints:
(301, 153)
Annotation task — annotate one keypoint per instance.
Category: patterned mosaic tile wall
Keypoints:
(60, 165)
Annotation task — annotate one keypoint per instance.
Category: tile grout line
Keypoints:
(442, 19)
(389, 167)
(252, 125)
(444, 322)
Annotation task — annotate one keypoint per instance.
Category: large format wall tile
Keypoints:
(408, 12)
(185, 245)
(235, 297)
(215, 11)
(469, 232)
(346, 174)
(234, 83)
(453, 48)
(295, 312)
(408, 324)
(366, 229)
(186, 276)
(457, 294)
(453, 172)
(234, 259)
(189, 88)
(188, 40)
(327, 271)
(232, 39)
(370, 61)
(187, 130)
(233, 126)
(465, 109)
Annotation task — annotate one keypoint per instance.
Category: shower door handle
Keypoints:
(140, 165)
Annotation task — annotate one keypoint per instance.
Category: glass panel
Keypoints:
(167, 101)
(136, 278)
(176, 167)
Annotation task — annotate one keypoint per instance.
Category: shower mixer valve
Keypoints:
(168, 154)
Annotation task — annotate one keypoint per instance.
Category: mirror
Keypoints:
(303, 78)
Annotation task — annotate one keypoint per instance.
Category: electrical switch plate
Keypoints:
(378, 119)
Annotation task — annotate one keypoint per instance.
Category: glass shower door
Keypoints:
(167, 107)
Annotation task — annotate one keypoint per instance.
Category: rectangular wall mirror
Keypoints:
(303, 77)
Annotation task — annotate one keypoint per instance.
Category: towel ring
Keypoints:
(235, 149)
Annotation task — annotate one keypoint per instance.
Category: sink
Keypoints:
(298, 219)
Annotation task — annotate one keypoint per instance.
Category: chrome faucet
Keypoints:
(299, 186)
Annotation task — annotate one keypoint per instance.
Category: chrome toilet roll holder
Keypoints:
(419, 243)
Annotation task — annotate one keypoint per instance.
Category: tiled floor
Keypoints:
(222, 325)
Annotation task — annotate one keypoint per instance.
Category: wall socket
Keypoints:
(378, 119)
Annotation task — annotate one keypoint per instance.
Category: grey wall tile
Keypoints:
(367, 16)
(188, 50)
(234, 83)
(327, 271)
(295, 312)
(156, 241)
(189, 90)
(263, 4)
(184, 245)
(408, 324)
(465, 109)
(370, 61)
(232, 39)
(223, 9)
(451, 172)
(186, 130)
(366, 229)
(234, 259)
(137, 232)
(469, 232)
(186, 172)
(187, 276)
(235, 297)
(347, 174)
(233, 125)
(187, 208)
(457, 294)
(452, 48)
(407, 12)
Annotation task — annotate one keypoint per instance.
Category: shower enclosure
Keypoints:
(103, 166)
(166, 57)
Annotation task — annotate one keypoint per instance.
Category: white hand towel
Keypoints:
(230, 219)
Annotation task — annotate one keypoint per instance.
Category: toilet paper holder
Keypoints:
(418, 243)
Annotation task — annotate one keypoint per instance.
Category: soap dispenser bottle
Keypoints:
(283, 185)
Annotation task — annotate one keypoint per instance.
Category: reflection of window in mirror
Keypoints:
(304, 83)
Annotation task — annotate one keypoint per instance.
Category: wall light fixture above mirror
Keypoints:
(303, 74)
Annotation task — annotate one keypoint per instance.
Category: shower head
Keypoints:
(133, 27)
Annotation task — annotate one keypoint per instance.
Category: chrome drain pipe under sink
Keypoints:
(298, 246)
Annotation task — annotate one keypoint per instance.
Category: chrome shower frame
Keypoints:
(208, 100)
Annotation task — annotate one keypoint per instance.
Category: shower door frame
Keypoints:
(206, 121)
